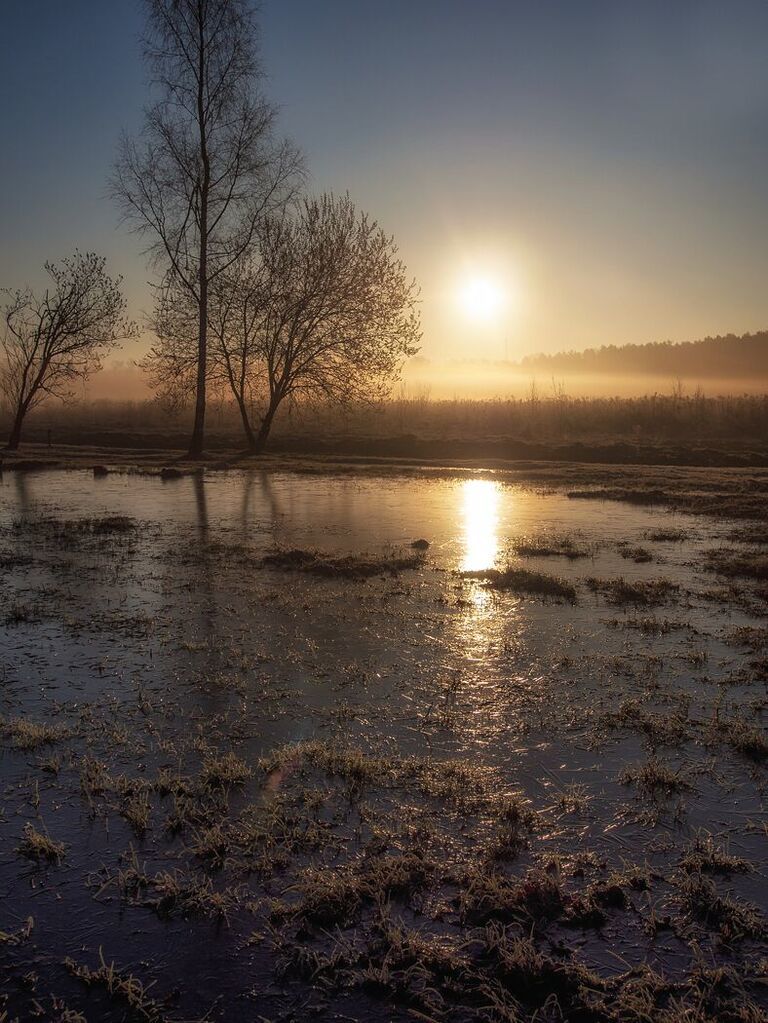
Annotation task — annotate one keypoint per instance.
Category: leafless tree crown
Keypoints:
(321, 308)
(207, 162)
(207, 168)
(51, 341)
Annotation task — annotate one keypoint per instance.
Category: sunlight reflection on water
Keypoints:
(480, 512)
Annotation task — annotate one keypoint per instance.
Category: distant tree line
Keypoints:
(725, 357)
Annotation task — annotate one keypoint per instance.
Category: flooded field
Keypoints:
(266, 756)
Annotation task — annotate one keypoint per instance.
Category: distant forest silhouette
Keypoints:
(726, 356)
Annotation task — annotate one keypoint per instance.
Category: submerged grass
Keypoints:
(27, 735)
(349, 566)
(749, 636)
(461, 784)
(754, 535)
(667, 535)
(706, 856)
(19, 936)
(661, 729)
(731, 918)
(73, 529)
(733, 565)
(334, 897)
(640, 555)
(520, 580)
(315, 844)
(121, 987)
(184, 894)
(18, 613)
(550, 547)
(653, 777)
(741, 735)
(648, 625)
(643, 593)
(221, 772)
(39, 846)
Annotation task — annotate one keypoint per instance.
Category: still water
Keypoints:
(154, 649)
(468, 521)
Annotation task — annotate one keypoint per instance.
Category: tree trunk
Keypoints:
(15, 437)
(260, 441)
(197, 442)
(250, 436)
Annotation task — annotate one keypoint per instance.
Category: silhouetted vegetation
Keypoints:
(723, 357)
(208, 167)
(319, 309)
(51, 341)
(696, 429)
(262, 296)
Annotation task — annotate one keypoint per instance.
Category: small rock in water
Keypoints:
(420, 545)
(100, 470)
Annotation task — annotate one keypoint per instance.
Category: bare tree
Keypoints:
(49, 342)
(235, 310)
(324, 311)
(207, 168)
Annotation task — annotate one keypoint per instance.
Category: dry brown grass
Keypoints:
(641, 593)
(520, 580)
(349, 566)
(39, 846)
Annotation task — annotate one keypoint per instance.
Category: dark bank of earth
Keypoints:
(413, 447)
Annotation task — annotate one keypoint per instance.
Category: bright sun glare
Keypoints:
(480, 507)
(481, 299)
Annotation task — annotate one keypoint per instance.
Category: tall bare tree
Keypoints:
(324, 311)
(207, 167)
(51, 341)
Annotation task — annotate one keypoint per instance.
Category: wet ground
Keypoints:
(370, 781)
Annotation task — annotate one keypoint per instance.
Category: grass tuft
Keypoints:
(667, 535)
(652, 777)
(40, 847)
(643, 593)
(350, 566)
(224, 771)
(550, 547)
(520, 580)
(731, 565)
(122, 987)
(640, 555)
(731, 918)
(30, 735)
(705, 856)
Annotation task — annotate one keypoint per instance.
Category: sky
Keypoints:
(604, 164)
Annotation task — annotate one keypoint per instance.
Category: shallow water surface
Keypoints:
(155, 649)
(467, 520)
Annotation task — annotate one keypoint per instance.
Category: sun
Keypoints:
(481, 299)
